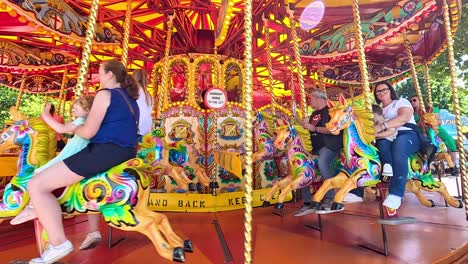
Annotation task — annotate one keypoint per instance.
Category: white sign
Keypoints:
(215, 98)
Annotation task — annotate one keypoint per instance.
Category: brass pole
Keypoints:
(361, 55)
(90, 32)
(293, 88)
(297, 56)
(456, 106)
(248, 131)
(165, 77)
(62, 88)
(414, 74)
(21, 90)
(321, 78)
(126, 36)
(270, 66)
(216, 68)
(428, 85)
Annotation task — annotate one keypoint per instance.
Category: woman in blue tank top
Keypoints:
(111, 127)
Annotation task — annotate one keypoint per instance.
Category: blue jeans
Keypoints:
(396, 153)
(326, 156)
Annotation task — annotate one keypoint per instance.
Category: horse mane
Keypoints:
(364, 117)
(43, 142)
(269, 121)
(305, 137)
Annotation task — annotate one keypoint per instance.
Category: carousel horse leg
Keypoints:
(157, 228)
(335, 182)
(349, 184)
(445, 156)
(203, 178)
(442, 190)
(412, 187)
(278, 185)
(284, 191)
(147, 226)
(170, 235)
(180, 177)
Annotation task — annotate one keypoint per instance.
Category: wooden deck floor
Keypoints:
(275, 240)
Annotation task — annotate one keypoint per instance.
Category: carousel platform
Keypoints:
(218, 237)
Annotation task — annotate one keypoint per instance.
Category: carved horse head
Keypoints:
(429, 119)
(293, 136)
(342, 116)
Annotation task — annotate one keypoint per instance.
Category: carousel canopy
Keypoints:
(43, 38)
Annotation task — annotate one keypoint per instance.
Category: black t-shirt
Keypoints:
(319, 118)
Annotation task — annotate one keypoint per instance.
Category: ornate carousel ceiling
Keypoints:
(45, 37)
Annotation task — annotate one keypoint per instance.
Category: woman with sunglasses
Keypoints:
(397, 112)
(443, 134)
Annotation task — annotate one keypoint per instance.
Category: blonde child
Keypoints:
(81, 107)
(388, 134)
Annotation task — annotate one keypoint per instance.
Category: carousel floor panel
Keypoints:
(275, 239)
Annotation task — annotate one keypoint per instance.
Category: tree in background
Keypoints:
(31, 104)
(440, 74)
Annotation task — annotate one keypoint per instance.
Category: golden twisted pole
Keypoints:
(293, 88)
(126, 35)
(297, 56)
(321, 79)
(62, 88)
(214, 176)
(351, 91)
(414, 74)
(248, 131)
(165, 77)
(216, 69)
(21, 90)
(155, 82)
(361, 55)
(90, 32)
(270, 65)
(428, 85)
(456, 106)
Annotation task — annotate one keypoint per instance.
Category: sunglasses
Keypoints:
(414, 100)
(382, 91)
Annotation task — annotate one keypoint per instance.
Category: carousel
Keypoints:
(217, 178)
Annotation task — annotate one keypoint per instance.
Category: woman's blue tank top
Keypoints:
(119, 124)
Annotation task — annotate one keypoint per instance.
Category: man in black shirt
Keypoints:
(324, 144)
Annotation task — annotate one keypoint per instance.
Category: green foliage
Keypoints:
(441, 93)
(439, 73)
(31, 104)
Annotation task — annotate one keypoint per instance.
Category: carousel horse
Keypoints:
(119, 194)
(181, 162)
(302, 166)
(430, 126)
(263, 131)
(361, 163)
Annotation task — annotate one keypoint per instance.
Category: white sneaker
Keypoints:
(352, 198)
(52, 254)
(387, 170)
(392, 201)
(91, 240)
